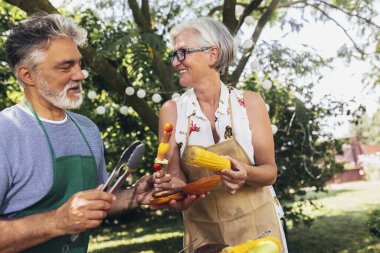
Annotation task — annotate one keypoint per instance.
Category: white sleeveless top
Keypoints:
(200, 129)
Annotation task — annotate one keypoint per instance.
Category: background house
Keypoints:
(361, 162)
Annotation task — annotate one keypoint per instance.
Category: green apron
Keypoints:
(71, 174)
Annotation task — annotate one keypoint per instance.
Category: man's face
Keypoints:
(59, 97)
(59, 75)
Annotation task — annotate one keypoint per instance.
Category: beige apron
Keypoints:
(224, 218)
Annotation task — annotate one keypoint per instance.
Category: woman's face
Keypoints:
(196, 65)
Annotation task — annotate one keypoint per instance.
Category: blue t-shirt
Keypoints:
(26, 167)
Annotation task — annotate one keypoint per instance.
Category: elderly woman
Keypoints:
(228, 122)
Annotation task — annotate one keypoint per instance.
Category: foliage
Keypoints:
(373, 222)
(368, 128)
(9, 89)
(133, 39)
(305, 155)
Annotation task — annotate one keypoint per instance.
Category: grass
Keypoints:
(339, 226)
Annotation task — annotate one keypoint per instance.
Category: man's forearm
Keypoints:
(23, 233)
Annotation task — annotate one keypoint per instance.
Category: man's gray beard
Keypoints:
(59, 98)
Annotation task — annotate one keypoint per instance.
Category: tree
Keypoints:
(368, 128)
(128, 47)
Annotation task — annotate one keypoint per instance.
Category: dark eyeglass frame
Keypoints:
(184, 52)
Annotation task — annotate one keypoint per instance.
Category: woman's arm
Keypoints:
(168, 114)
(264, 172)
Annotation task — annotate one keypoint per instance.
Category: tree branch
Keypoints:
(234, 78)
(100, 65)
(229, 19)
(107, 72)
(247, 10)
(31, 7)
(361, 51)
(368, 21)
(142, 21)
(215, 9)
(163, 71)
(286, 5)
(145, 11)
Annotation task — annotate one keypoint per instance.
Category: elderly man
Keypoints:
(51, 159)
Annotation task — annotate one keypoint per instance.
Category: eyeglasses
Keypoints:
(180, 54)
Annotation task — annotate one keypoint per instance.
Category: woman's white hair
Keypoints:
(211, 33)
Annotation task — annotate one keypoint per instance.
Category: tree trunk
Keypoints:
(100, 65)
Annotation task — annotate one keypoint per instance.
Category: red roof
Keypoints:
(370, 149)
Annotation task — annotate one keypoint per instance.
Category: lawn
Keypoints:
(339, 226)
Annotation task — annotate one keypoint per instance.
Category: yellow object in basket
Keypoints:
(207, 159)
(262, 245)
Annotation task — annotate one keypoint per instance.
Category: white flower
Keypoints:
(156, 98)
(91, 95)
(274, 129)
(124, 110)
(85, 73)
(255, 65)
(141, 93)
(129, 91)
(267, 106)
(175, 95)
(249, 20)
(100, 110)
(237, 41)
(267, 84)
(239, 10)
(247, 44)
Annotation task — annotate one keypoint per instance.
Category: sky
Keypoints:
(343, 82)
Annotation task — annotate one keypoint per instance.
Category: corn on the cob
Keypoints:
(207, 159)
(262, 245)
(163, 147)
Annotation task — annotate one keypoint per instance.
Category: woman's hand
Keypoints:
(233, 179)
(165, 181)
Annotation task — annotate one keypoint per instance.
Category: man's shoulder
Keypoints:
(12, 123)
(82, 120)
(8, 117)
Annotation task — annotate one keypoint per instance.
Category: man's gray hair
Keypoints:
(211, 33)
(27, 41)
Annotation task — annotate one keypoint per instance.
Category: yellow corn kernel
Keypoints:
(208, 160)
(163, 148)
(257, 245)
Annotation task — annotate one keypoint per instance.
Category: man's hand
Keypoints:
(147, 185)
(144, 189)
(83, 211)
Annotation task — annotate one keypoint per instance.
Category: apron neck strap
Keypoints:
(41, 125)
(81, 132)
(46, 134)
(231, 116)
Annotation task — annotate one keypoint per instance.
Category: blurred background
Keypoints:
(316, 64)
